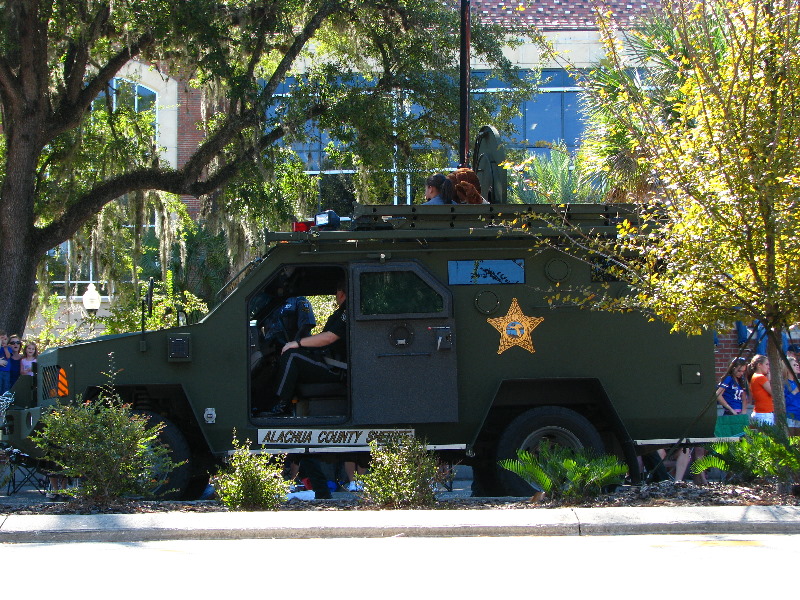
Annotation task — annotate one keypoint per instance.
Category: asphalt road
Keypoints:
(649, 566)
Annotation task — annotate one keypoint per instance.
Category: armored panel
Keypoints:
(402, 346)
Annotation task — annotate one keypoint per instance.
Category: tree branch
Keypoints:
(213, 145)
(227, 172)
(73, 76)
(75, 215)
(69, 112)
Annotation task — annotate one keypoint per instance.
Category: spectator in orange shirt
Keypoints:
(759, 388)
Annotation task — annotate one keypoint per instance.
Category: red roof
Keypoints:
(561, 14)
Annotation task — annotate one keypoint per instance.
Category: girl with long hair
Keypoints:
(733, 393)
(759, 387)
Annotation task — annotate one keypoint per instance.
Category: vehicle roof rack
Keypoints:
(469, 220)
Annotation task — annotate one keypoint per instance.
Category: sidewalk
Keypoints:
(387, 523)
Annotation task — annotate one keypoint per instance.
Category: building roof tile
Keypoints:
(561, 14)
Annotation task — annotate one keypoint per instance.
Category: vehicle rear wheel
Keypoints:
(559, 425)
(172, 485)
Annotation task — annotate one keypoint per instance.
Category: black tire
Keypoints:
(173, 485)
(560, 425)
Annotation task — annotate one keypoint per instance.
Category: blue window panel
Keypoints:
(539, 152)
(486, 272)
(569, 80)
(146, 98)
(271, 115)
(543, 118)
(519, 137)
(553, 78)
(324, 138)
(312, 159)
(125, 94)
(573, 122)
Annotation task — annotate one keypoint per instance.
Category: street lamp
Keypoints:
(91, 300)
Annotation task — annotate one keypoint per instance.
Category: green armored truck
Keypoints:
(454, 335)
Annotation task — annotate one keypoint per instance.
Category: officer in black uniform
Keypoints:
(304, 358)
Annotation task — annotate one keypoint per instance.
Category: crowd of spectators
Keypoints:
(16, 359)
(746, 389)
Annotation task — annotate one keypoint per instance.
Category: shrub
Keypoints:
(566, 473)
(251, 481)
(108, 446)
(764, 453)
(403, 474)
(111, 448)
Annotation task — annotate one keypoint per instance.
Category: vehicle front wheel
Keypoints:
(172, 485)
(559, 425)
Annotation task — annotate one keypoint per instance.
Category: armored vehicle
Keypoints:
(456, 334)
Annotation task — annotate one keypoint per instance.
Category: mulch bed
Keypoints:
(665, 493)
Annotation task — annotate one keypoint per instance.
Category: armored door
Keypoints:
(402, 346)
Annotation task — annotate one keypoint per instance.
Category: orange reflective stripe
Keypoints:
(63, 386)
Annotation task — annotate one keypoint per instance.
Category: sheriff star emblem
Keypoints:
(515, 328)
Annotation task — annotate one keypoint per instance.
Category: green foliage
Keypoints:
(125, 314)
(53, 331)
(324, 307)
(562, 472)
(764, 453)
(108, 446)
(251, 481)
(402, 474)
(205, 267)
(715, 121)
(552, 178)
(703, 103)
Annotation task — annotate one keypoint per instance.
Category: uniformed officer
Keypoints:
(304, 358)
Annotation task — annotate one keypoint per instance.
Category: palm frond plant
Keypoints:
(566, 473)
(763, 453)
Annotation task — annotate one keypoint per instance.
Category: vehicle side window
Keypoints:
(397, 292)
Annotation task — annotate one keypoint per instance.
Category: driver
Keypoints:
(304, 359)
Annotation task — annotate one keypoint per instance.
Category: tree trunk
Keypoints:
(18, 278)
(775, 355)
(21, 245)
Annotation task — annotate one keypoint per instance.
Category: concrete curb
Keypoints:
(412, 523)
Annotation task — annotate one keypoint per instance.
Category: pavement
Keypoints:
(751, 520)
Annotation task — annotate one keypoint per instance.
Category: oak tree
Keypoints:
(66, 152)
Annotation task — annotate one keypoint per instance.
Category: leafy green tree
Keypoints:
(719, 135)
(67, 150)
(126, 314)
(610, 155)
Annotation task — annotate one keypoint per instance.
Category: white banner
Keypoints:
(330, 437)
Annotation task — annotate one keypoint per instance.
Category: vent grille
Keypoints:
(54, 382)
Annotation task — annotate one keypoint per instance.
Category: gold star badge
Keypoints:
(515, 328)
